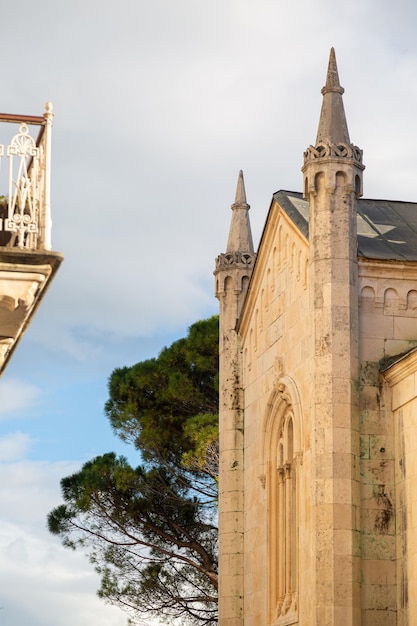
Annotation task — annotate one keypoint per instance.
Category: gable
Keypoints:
(280, 268)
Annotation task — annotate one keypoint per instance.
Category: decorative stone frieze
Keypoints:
(329, 150)
(235, 259)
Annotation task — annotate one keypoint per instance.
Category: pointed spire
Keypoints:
(240, 234)
(332, 78)
(332, 126)
(240, 197)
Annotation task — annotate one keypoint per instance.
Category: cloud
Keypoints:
(16, 396)
(14, 446)
(43, 584)
(59, 587)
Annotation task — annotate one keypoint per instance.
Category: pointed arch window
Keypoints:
(283, 447)
(285, 526)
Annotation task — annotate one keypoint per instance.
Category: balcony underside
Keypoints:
(24, 278)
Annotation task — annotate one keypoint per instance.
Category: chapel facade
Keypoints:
(318, 399)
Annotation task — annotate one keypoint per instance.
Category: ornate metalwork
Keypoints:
(22, 219)
(25, 211)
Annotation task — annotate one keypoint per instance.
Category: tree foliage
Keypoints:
(151, 530)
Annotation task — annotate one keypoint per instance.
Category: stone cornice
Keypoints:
(405, 366)
(384, 268)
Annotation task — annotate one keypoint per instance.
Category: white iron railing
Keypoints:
(25, 210)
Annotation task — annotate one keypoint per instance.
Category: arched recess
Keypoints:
(228, 283)
(282, 461)
(358, 186)
(367, 298)
(319, 181)
(390, 300)
(244, 283)
(412, 299)
(341, 180)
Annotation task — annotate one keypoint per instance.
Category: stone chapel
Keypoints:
(318, 399)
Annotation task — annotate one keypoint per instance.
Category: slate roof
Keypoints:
(387, 229)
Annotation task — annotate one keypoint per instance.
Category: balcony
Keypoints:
(27, 262)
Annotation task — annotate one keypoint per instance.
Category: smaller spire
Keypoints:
(240, 197)
(240, 234)
(332, 126)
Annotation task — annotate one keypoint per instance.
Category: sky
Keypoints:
(158, 105)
